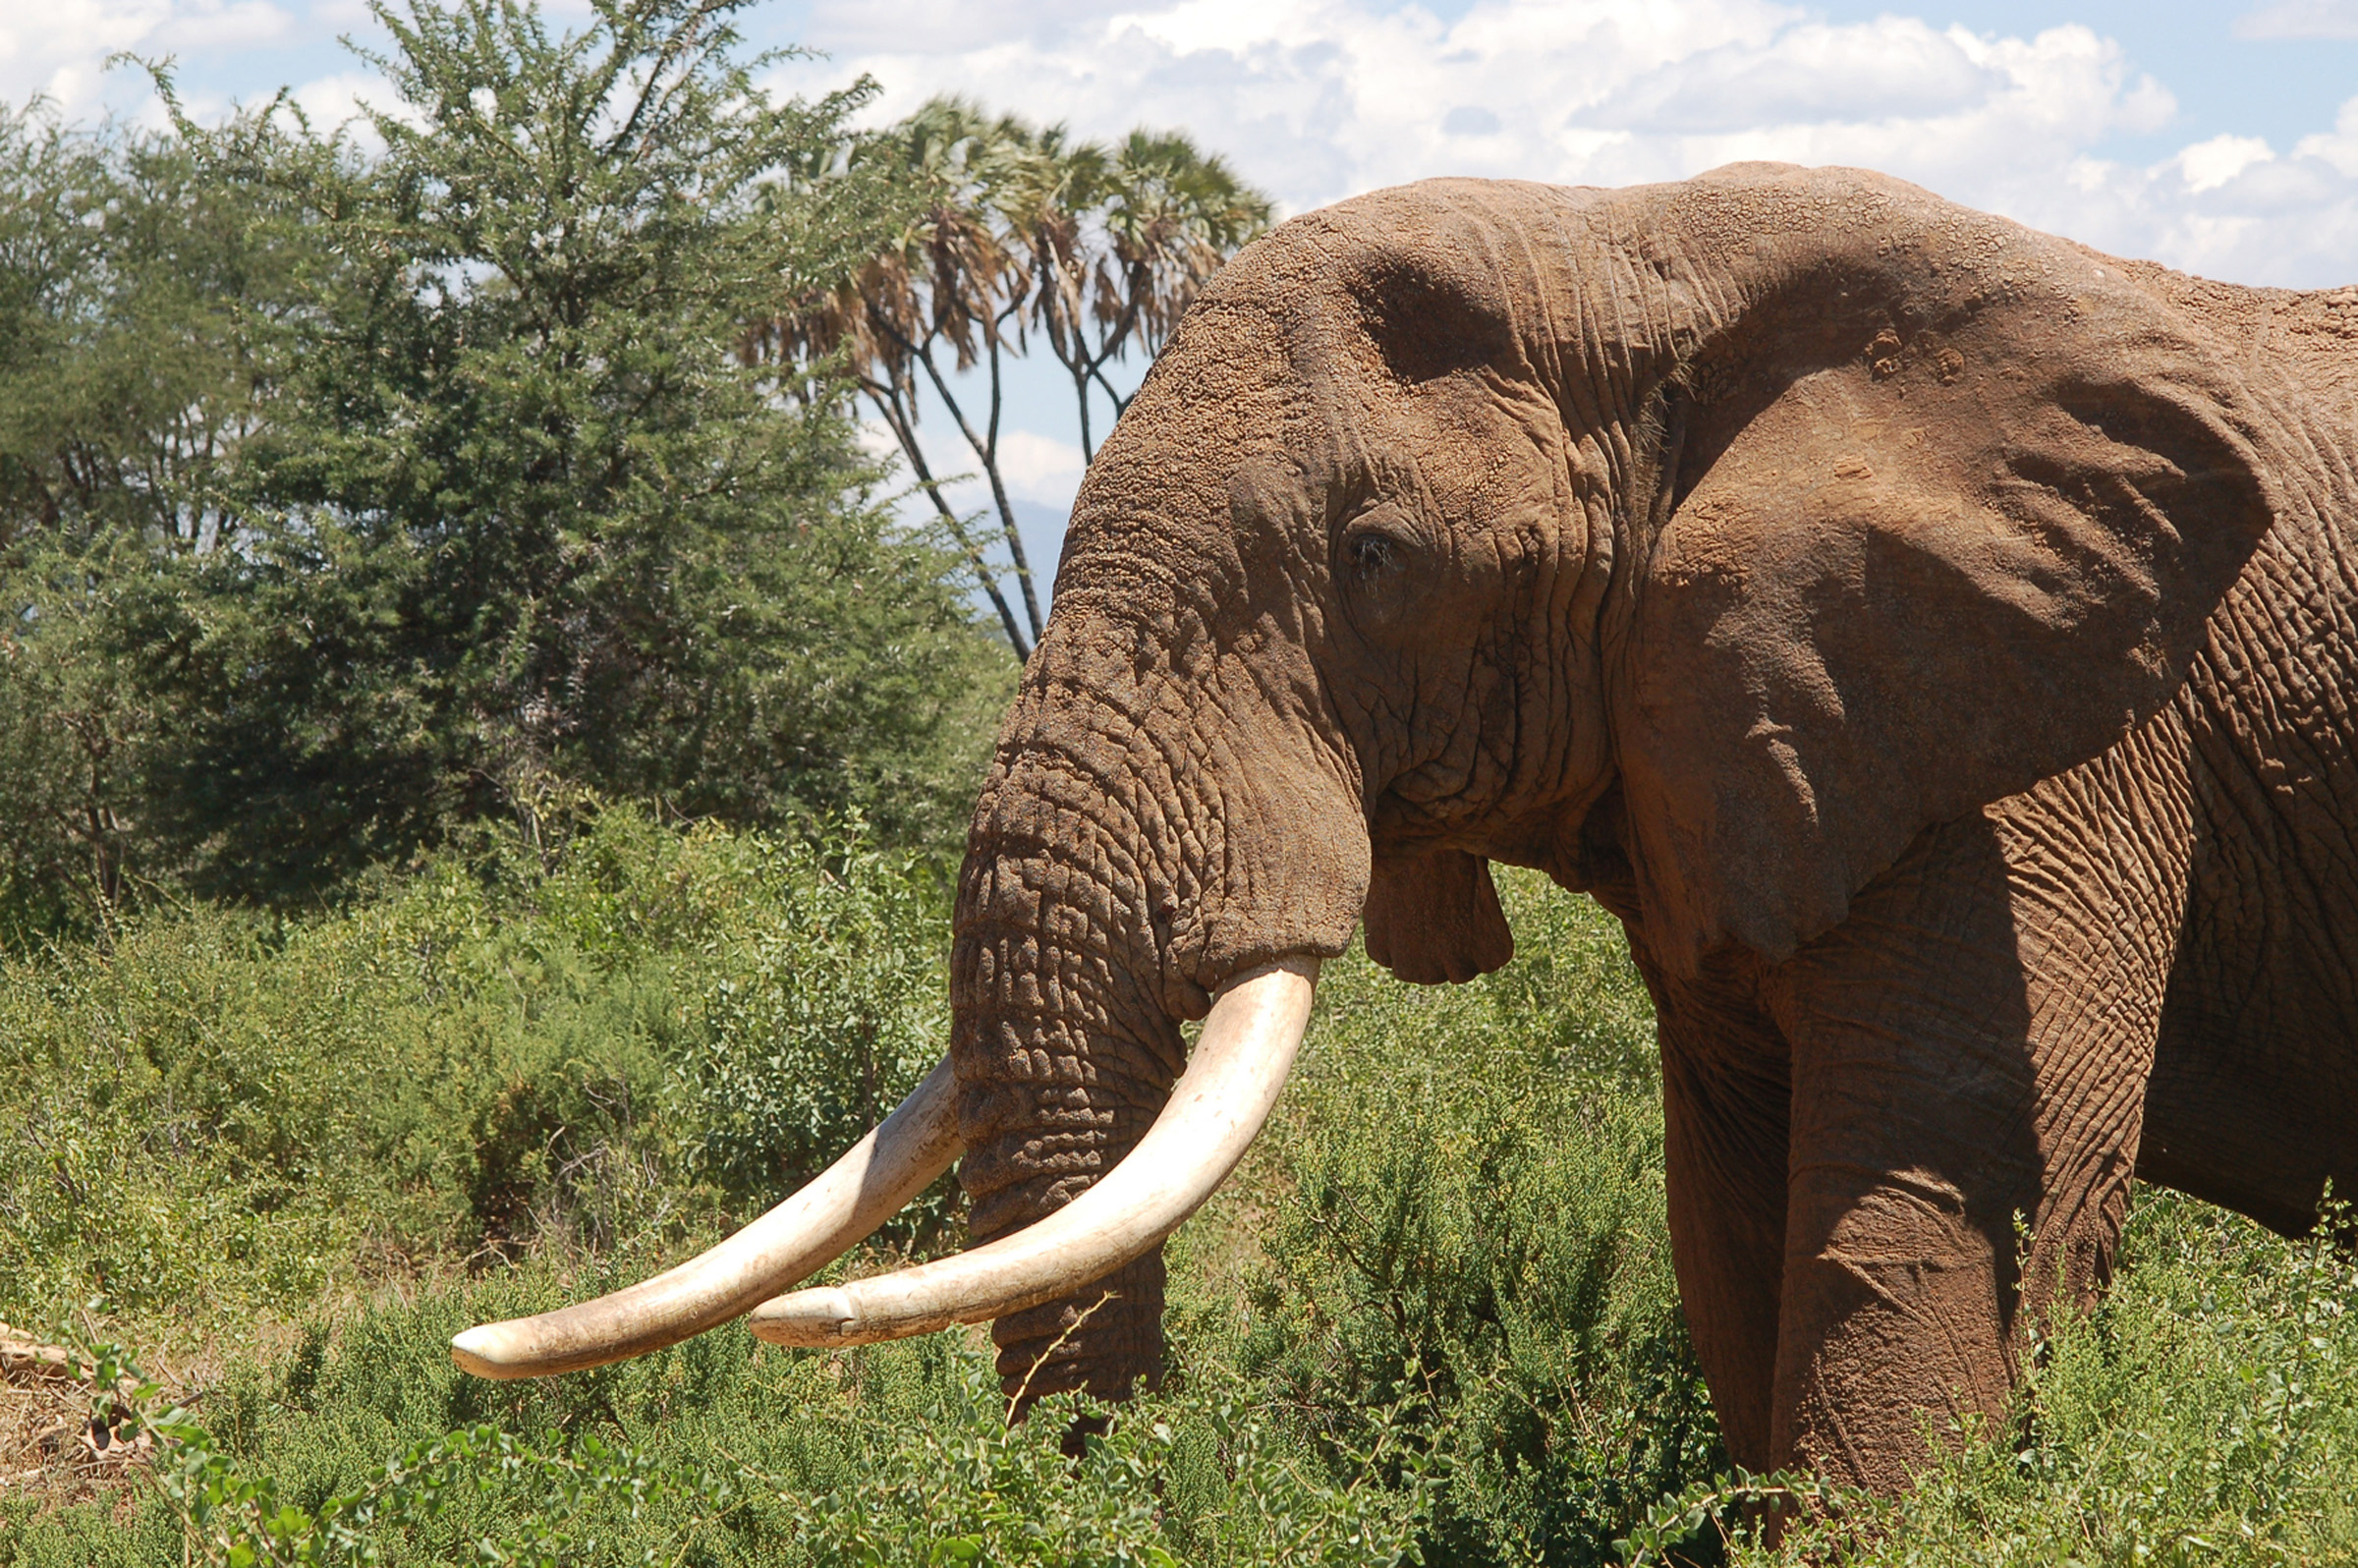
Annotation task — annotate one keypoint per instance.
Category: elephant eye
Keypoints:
(1379, 546)
(1379, 559)
(1376, 555)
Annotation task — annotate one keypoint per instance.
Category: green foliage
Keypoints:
(716, 1453)
(1475, 1224)
(237, 1520)
(148, 288)
(524, 512)
(350, 500)
(1208, 1474)
(72, 724)
(834, 1014)
(246, 1112)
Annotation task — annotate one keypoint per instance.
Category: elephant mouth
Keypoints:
(1216, 1110)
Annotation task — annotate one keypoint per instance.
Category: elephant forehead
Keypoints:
(1471, 432)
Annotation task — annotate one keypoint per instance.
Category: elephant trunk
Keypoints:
(1065, 1053)
(1112, 888)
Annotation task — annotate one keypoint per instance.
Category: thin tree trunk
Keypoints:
(904, 431)
(986, 452)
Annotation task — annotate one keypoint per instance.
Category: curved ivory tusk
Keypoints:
(1216, 1110)
(898, 1160)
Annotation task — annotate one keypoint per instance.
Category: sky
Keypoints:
(2221, 138)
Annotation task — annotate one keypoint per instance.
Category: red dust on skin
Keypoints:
(1922, 632)
(1931, 639)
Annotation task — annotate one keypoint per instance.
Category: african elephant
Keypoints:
(1934, 642)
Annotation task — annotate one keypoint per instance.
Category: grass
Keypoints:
(1432, 1319)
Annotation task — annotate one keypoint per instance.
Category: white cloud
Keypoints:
(1892, 67)
(2301, 19)
(1043, 470)
(333, 101)
(211, 25)
(58, 48)
(937, 26)
(1319, 99)
(2207, 165)
(1038, 467)
(2338, 146)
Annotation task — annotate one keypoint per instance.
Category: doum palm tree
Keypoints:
(999, 229)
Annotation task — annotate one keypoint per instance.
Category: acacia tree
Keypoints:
(149, 282)
(521, 517)
(1008, 229)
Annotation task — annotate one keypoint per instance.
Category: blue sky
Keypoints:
(2221, 139)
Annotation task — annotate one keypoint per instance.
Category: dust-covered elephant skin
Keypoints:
(1933, 639)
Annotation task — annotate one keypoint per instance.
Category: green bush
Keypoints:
(586, 1056)
(522, 509)
(1474, 1224)
(835, 1013)
(714, 1452)
(242, 1112)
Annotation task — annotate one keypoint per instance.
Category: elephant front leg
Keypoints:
(1724, 1095)
(1971, 1045)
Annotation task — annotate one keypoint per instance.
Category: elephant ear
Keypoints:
(1915, 559)
(1434, 916)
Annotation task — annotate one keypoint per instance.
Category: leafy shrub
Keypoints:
(1475, 1224)
(244, 1114)
(715, 1453)
(837, 1009)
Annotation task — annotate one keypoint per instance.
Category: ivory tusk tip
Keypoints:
(810, 1319)
(488, 1351)
(830, 1215)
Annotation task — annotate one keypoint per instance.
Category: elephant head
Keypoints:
(1698, 543)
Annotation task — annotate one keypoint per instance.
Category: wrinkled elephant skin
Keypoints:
(1933, 639)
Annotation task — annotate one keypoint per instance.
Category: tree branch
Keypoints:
(987, 454)
(888, 402)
